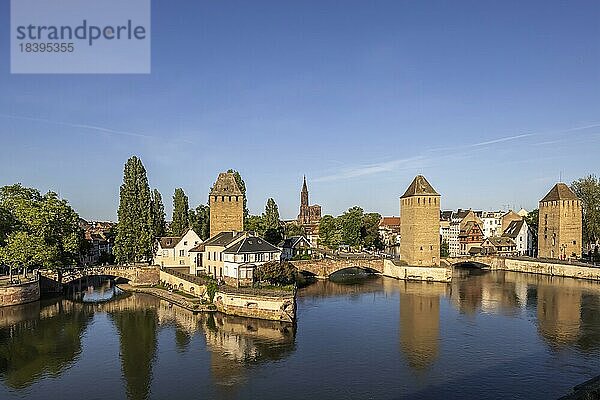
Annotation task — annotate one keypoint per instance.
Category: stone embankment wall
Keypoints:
(182, 284)
(13, 295)
(276, 308)
(413, 273)
(546, 268)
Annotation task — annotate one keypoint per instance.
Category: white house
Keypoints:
(523, 237)
(174, 251)
(243, 256)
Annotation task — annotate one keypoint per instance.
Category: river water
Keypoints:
(487, 335)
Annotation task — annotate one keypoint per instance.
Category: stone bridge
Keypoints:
(324, 268)
(136, 275)
(484, 262)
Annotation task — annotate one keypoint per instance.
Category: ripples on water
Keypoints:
(486, 335)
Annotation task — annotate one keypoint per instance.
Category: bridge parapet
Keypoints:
(136, 275)
(323, 268)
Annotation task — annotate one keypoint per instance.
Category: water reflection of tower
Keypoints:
(420, 322)
(558, 313)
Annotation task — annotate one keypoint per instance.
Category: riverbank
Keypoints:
(13, 294)
(187, 302)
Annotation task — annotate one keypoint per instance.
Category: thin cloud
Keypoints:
(84, 126)
(371, 169)
(368, 169)
(500, 140)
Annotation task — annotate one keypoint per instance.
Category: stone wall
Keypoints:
(226, 214)
(276, 308)
(13, 295)
(325, 267)
(414, 273)
(182, 284)
(546, 268)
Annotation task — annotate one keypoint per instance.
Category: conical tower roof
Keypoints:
(420, 187)
(226, 185)
(560, 191)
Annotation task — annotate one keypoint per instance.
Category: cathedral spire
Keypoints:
(304, 194)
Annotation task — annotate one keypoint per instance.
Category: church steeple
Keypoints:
(304, 194)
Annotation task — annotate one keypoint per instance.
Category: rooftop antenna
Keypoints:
(560, 176)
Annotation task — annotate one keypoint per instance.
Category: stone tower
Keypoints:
(560, 224)
(226, 202)
(420, 224)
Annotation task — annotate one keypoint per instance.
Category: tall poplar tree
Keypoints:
(242, 185)
(200, 221)
(181, 216)
(158, 214)
(134, 241)
(273, 231)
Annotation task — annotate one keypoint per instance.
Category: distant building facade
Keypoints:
(560, 224)
(420, 228)
(226, 202)
(492, 223)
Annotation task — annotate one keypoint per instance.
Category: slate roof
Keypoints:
(513, 229)
(560, 191)
(419, 186)
(169, 242)
(223, 238)
(251, 244)
(292, 241)
(225, 185)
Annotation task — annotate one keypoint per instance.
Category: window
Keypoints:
(185, 243)
(181, 262)
(208, 255)
(181, 253)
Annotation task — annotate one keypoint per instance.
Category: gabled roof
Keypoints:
(513, 229)
(169, 242)
(223, 238)
(500, 241)
(418, 187)
(251, 244)
(293, 241)
(226, 185)
(560, 191)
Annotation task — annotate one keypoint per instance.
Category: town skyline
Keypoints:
(359, 97)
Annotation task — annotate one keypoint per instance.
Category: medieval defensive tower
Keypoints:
(420, 224)
(560, 224)
(226, 202)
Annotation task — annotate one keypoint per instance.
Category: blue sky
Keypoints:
(491, 101)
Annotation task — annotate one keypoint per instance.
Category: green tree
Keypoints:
(271, 215)
(242, 185)
(293, 229)
(370, 231)
(255, 223)
(276, 272)
(330, 233)
(158, 215)
(134, 241)
(351, 223)
(42, 231)
(200, 221)
(181, 217)
(588, 191)
(272, 225)
(445, 249)
(533, 219)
